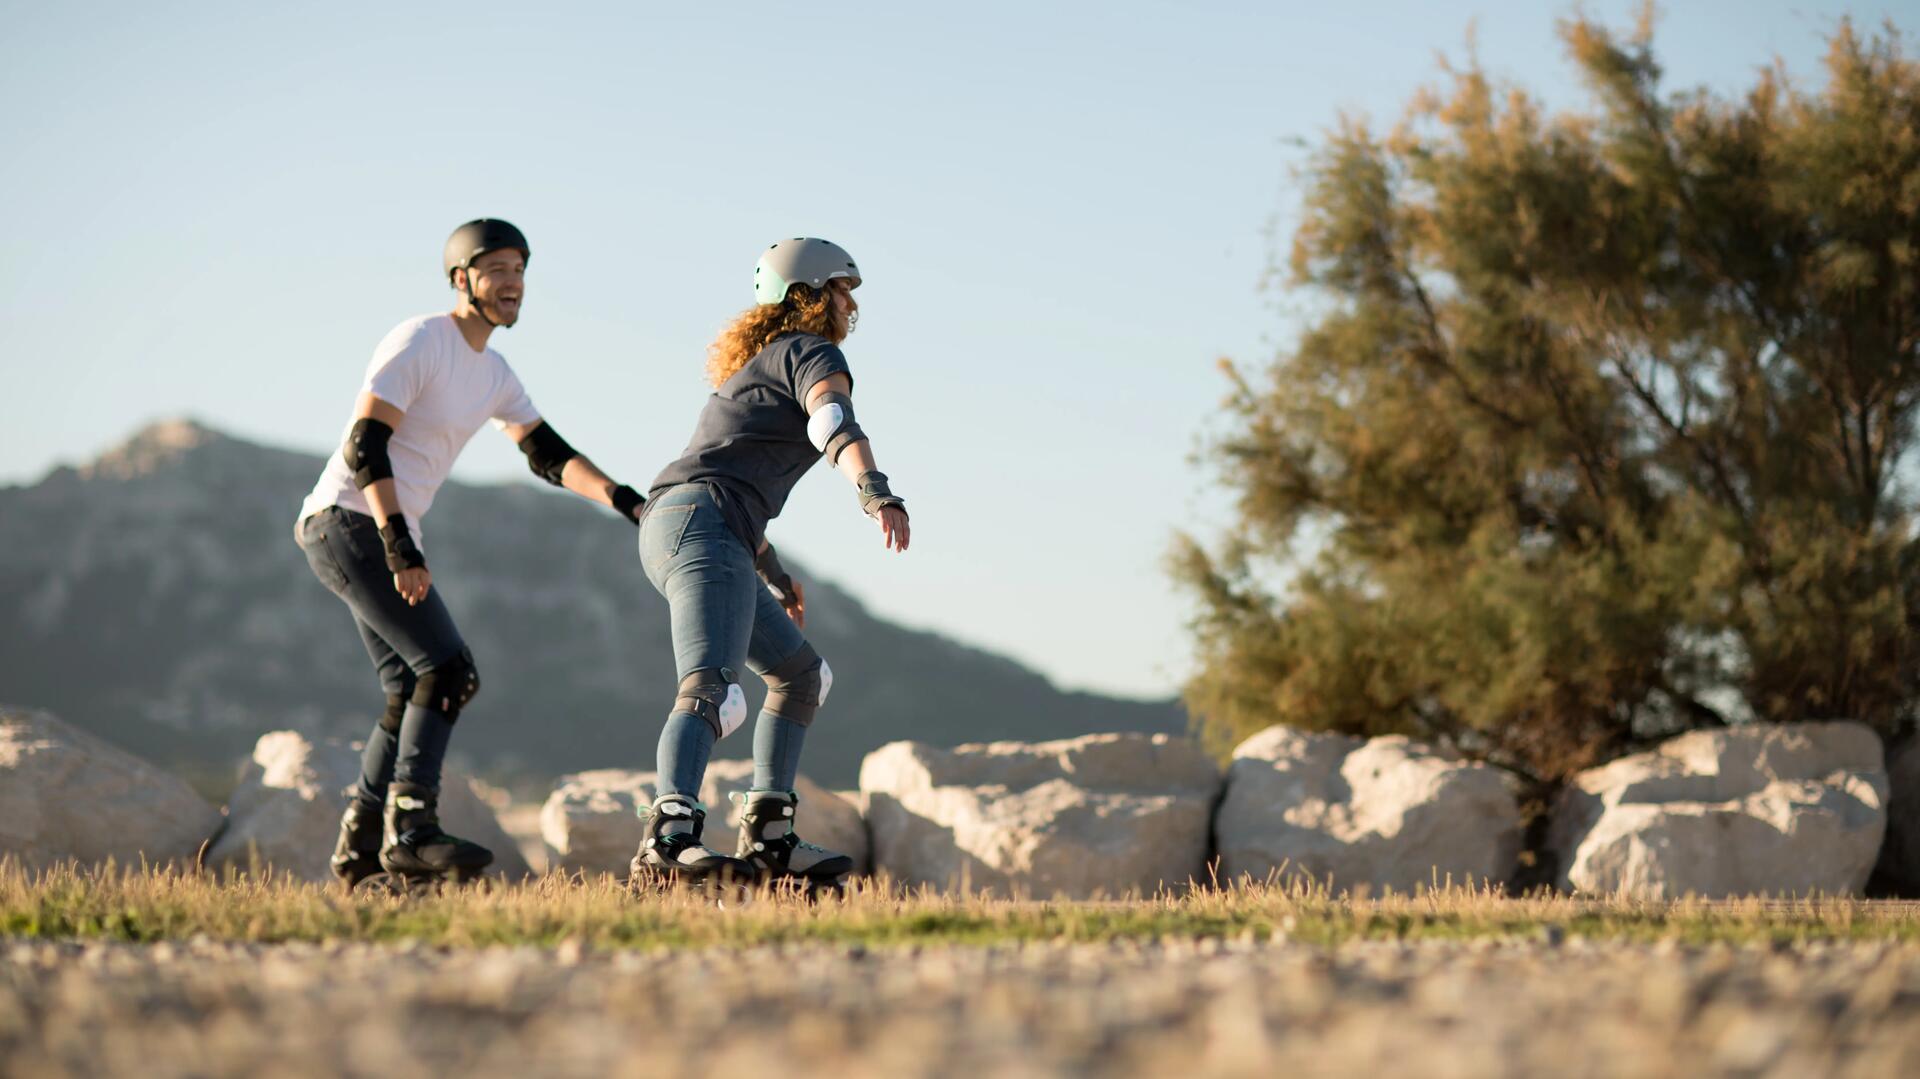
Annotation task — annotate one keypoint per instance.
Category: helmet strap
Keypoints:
(474, 301)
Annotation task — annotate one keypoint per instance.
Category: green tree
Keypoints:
(1602, 429)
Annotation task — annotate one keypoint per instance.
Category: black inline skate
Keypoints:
(672, 853)
(416, 854)
(778, 855)
(356, 855)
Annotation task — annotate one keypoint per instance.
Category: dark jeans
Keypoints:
(404, 642)
(722, 616)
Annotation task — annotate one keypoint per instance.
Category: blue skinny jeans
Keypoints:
(722, 617)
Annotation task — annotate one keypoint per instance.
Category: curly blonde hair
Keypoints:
(805, 310)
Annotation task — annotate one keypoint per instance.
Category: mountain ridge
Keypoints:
(171, 612)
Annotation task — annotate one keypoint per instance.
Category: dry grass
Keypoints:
(168, 976)
(141, 905)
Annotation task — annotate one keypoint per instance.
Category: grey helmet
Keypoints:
(476, 238)
(802, 260)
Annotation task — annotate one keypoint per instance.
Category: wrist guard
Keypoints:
(779, 581)
(402, 552)
(875, 495)
(627, 502)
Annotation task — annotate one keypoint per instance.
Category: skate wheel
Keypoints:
(396, 886)
(819, 891)
(725, 891)
(644, 882)
(351, 884)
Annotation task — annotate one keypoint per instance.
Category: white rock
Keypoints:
(591, 822)
(521, 820)
(1100, 814)
(1900, 855)
(286, 811)
(65, 794)
(1382, 812)
(1778, 809)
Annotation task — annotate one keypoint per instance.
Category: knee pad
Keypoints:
(798, 687)
(396, 710)
(448, 687)
(713, 694)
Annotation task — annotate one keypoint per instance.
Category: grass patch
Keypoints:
(69, 903)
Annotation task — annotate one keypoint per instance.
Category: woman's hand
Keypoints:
(794, 602)
(894, 530)
(412, 584)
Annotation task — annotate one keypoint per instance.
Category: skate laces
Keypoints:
(427, 834)
(423, 830)
(663, 814)
(685, 809)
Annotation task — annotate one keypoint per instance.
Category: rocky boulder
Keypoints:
(591, 823)
(1381, 812)
(286, 811)
(1778, 809)
(65, 794)
(1101, 814)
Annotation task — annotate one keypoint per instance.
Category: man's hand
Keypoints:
(412, 584)
(409, 566)
(794, 602)
(626, 501)
(894, 530)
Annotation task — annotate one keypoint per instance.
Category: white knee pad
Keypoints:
(733, 711)
(713, 694)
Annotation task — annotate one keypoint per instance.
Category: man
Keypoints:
(432, 383)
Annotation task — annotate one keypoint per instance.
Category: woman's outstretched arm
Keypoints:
(856, 462)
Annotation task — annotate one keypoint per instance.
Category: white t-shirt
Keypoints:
(447, 390)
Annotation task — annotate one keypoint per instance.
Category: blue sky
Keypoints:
(1064, 212)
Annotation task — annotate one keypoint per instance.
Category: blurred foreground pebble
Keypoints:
(1483, 1008)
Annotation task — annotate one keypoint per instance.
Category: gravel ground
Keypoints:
(1184, 1008)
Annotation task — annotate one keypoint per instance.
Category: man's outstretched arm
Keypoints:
(553, 460)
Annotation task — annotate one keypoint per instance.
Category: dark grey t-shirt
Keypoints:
(751, 443)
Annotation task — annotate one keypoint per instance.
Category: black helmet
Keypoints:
(476, 238)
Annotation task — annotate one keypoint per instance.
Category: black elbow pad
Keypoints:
(547, 453)
(366, 452)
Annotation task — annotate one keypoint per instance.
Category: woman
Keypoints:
(782, 400)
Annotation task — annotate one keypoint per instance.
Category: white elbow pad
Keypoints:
(824, 423)
(832, 427)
